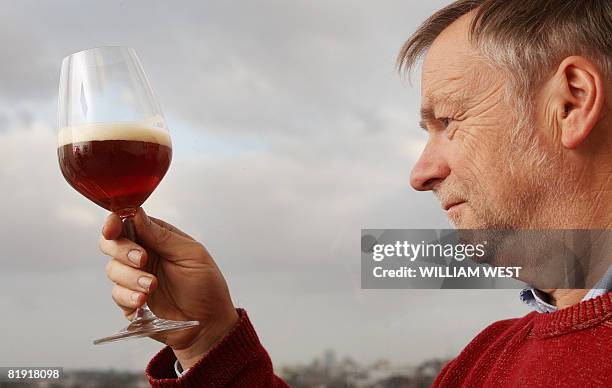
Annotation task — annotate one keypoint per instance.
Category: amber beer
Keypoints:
(117, 165)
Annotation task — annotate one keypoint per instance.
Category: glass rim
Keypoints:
(99, 48)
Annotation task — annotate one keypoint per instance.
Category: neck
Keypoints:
(587, 207)
(562, 298)
(579, 197)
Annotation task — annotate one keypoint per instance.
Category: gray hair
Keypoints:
(525, 39)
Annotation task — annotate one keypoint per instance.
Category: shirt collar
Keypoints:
(535, 298)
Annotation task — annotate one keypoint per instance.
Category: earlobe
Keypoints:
(572, 138)
(582, 99)
(573, 132)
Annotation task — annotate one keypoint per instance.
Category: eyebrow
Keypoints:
(428, 108)
(427, 116)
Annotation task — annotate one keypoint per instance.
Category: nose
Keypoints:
(431, 168)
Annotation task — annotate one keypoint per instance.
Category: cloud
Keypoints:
(4, 122)
(291, 132)
(77, 215)
(294, 68)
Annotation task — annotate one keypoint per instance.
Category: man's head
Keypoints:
(516, 99)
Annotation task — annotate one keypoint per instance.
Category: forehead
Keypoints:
(450, 62)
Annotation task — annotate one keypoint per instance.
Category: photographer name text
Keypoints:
(447, 272)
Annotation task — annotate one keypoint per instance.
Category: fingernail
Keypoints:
(135, 296)
(145, 282)
(135, 255)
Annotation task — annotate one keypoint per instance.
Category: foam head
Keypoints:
(150, 130)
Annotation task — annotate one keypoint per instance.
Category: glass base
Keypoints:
(144, 325)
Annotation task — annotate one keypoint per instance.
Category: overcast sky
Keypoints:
(292, 131)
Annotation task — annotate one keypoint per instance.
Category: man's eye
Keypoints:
(445, 121)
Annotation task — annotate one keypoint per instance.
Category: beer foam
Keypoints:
(145, 130)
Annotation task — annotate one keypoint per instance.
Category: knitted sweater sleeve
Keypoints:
(238, 360)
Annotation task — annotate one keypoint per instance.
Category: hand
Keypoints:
(182, 283)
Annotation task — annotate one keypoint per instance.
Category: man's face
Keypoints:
(472, 162)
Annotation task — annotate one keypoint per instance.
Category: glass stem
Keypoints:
(129, 232)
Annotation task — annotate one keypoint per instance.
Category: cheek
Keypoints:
(482, 172)
(473, 161)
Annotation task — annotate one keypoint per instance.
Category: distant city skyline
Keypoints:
(317, 372)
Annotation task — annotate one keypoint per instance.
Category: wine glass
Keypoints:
(114, 146)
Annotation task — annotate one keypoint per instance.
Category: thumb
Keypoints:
(161, 237)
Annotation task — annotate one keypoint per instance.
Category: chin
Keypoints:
(463, 219)
(474, 223)
(469, 219)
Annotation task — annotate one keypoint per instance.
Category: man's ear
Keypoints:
(579, 101)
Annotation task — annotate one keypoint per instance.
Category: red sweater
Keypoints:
(238, 360)
(567, 348)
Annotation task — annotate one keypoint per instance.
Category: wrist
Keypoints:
(205, 340)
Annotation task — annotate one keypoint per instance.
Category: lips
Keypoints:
(450, 204)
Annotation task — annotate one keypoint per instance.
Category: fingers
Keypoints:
(112, 227)
(146, 220)
(131, 286)
(130, 278)
(124, 251)
(168, 226)
(163, 238)
(127, 299)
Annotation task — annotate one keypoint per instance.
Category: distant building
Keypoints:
(329, 359)
(327, 372)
